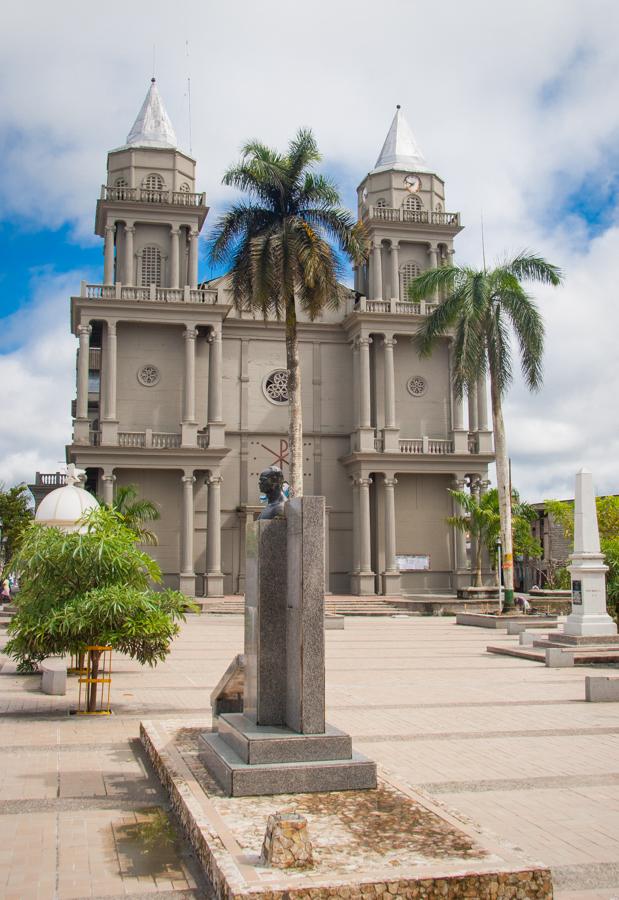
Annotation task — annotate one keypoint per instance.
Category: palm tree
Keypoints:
(482, 520)
(136, 513)
(479, 519)
(483, 308)
(277, 242)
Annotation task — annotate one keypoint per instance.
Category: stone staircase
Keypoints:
(334, 605)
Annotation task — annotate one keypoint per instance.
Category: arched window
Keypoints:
(439, 207)
(412, 202)
(408, 272)
(120, 182)
(121, 189)
(381, 203)
(153, 182)
(185, 188)
(151, 266)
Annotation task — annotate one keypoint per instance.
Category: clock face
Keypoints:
(412, 183)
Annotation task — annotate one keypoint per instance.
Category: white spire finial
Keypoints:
(401, 150)
(153, 127)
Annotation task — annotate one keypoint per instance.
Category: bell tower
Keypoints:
(149, 213)
(402, 205)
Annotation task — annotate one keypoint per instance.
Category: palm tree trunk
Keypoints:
(478, 556)
(505, 500)
(295, 415)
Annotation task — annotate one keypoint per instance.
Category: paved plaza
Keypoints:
(505, 742)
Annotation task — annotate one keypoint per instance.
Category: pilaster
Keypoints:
(187, 577)
(81, 426)
(214, 579)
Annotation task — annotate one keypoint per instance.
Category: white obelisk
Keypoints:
(587, 568)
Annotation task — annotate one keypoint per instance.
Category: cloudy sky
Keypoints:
(515, 104)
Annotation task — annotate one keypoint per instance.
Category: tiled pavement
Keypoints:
(508, 742)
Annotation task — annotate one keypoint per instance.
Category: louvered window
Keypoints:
(151, 266)
(408, 272)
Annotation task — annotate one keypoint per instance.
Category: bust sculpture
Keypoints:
(271, 483)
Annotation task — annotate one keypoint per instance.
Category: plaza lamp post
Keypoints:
(499, 548)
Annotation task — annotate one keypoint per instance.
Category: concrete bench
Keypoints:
(601, 689)
(54, 675)
(519, 627)
(557, 656)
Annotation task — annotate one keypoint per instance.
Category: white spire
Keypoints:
(152, 128)
(401, 150)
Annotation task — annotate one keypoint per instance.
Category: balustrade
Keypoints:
(152, 195)
(131, 439)
(418, 216)
(151, 294)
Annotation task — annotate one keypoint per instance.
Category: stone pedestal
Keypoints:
(287, 843)
(589, 616)
(280, 743)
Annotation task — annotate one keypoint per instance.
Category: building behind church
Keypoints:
(182, 396)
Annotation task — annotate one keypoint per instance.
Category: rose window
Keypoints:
(148, 375)
(416, 386)
(276, 386)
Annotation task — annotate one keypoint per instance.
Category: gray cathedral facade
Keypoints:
(182, 396)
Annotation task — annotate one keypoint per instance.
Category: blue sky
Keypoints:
(514, 105)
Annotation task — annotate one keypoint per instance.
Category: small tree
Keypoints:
(481, 519)
(93, 588)
(136, 513)
(16, 514)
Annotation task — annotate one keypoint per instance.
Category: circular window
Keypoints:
(416, 386)
(148, 375)
(275, 386)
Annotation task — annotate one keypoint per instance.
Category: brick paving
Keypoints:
(507, 742)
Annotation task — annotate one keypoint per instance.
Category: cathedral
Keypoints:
(182, 396)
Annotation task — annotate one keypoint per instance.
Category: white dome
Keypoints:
(63, 507)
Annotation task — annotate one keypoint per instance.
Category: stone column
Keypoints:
(484, 436)
(193, 259)
(433, 255)
(108, 478)
(216, 427)
(392, 432)
(459, 484)
(377, 272)
(109, 424)
(459, 433)
(81, 427)
(189, 426)
(214, 576)
(366, 432)
(354, 345)
(108, 254)
(128, 267)
(364, 583)
(473, 408)
(175, 233)
(187, 577)
(395, 271)
(356, 559)
(391, 575)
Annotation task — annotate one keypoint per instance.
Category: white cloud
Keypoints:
(38, 381)
(514, 103)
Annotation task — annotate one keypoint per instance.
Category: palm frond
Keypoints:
(534, 268)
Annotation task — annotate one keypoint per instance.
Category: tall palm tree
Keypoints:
(483, 308)
(278, 244)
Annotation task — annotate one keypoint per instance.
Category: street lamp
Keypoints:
(499, 548)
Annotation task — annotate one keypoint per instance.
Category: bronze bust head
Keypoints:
(271, 483)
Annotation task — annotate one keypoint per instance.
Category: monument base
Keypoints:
(248, 760)
(387, 842)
